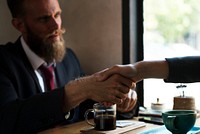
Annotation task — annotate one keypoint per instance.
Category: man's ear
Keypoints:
(19, 24)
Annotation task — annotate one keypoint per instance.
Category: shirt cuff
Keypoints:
(67, 115)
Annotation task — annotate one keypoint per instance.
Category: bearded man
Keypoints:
(27, 104)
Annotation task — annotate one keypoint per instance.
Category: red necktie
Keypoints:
(47, 72)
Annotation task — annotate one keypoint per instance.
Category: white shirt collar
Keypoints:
(34, 59)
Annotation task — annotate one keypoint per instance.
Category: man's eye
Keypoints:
(44, 19)
(57, 15)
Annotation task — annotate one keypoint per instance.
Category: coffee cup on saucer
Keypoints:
(179, 121)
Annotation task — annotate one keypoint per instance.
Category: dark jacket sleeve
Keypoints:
(23, 107)
(184, 69)
(28, 115)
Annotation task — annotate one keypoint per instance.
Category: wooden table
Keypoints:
(76, 127)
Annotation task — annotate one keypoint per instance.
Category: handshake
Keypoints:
(114, 85)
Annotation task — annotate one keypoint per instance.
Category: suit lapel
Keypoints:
(36, 81)
(27, 64)
(61, 76)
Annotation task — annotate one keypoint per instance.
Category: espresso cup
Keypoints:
(104, 117)
(179, 121)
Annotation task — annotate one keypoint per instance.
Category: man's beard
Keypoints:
(47, 49)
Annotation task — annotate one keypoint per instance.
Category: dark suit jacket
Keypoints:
(23, 106)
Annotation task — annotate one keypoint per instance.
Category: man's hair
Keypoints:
(16, 7)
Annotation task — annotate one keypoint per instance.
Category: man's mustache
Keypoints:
(58, 32)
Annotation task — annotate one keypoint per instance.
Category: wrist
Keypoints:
(74, 94)
(152, 69)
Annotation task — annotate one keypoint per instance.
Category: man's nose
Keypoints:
(54, 24)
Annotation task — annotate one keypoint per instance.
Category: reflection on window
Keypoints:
(171, 29)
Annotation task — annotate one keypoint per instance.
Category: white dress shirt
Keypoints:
(35, 61)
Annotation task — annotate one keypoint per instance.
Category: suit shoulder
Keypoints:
(7, 47)
(70, 57)
(9, 44)
(70, 53)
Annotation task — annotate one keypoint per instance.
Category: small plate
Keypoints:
(163, 130)
(124, 123)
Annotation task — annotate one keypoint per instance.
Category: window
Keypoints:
(171, 29)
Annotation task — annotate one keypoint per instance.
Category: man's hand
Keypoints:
(114, 90)
(128, 71)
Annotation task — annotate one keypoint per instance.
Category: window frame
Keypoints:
(132, 37)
